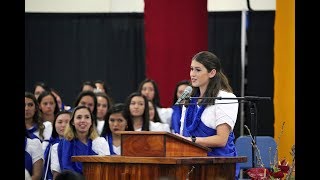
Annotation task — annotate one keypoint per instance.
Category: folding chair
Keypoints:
(244, 148)
(267, 147)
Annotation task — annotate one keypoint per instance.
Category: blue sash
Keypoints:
(52, 141)
(31, 132)
(175, 118)
(66, 149)
(110, 144)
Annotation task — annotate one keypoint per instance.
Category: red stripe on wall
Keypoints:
(174, 32)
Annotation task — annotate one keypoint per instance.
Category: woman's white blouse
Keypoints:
(224, 111)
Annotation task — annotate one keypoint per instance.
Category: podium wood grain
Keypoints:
(155, 168)
(158, 144)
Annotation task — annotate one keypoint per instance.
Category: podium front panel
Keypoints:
(143, 145)
(158, 144)
(155, 168)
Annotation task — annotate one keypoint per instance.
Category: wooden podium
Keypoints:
(158, 155)
(158, 144)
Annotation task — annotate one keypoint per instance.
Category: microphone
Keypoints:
(184, 95)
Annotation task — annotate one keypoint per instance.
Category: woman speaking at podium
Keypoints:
(204, 119)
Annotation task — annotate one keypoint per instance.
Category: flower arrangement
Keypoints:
(279, 169)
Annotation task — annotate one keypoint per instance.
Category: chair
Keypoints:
(244, 148)
(267, 147)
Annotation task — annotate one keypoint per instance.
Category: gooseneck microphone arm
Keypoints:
(245, 98)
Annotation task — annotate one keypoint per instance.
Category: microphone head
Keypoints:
(184, 95)
(188, 89)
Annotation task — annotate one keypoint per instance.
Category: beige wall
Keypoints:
(102, 6)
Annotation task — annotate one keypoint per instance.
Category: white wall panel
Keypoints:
(105, 6)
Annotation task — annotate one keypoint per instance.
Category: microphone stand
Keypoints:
(253, 113)
(254, 126)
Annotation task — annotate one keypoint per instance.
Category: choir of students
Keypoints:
(88, 128)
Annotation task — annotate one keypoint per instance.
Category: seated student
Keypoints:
(33, 158)
(35, 126)
(155, 122)
(80, 138)
(101, 87)
(103, 104)
(40, 87)
(61, 104)
(138, 109)
(88, 86)
(59, 124)
(49, 108)
(149, 88)
(116, 120)
(89, 99)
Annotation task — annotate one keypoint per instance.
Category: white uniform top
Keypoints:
(224, 111)
(27, 175)
(158, 126)
(33, 147)
(117, 150)
(139, 129)
(100, 125)
(46, 133)
(99, 146)
(165, 114)
(55, 165)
